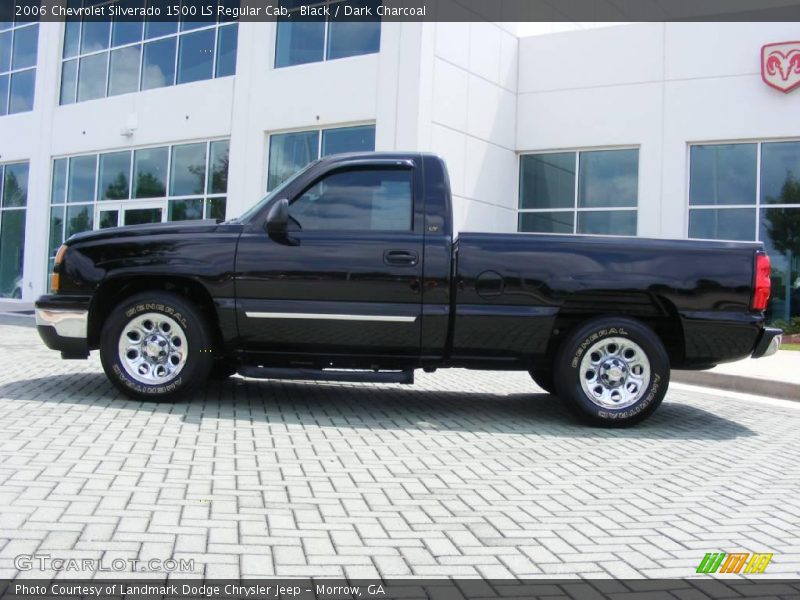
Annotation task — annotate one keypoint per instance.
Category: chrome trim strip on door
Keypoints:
(331, 317)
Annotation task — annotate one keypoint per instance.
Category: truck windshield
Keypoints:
(253, 210)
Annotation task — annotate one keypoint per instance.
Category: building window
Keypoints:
(305, 39)
(102, 58)
(751, 192)
(18, 49)
(589, 192)
(290, 152)
(13, 203)
(132, 187)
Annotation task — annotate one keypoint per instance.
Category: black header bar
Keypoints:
(404, 10)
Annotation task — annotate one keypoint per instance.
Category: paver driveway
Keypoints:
(463, 474)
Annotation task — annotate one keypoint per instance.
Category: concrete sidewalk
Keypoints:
(777, 376)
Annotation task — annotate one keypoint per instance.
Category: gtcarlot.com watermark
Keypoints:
(48, 562)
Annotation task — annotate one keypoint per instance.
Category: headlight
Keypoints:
(54, 281)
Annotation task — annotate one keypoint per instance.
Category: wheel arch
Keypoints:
(661, 316)
(116, 290)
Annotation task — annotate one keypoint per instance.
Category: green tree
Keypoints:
(117, 189)
(783, 224)
(149, 186)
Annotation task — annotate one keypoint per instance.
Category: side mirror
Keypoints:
(278, 218)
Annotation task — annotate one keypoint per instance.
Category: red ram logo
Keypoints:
(780, 65)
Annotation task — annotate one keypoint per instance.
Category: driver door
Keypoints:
(345, 280)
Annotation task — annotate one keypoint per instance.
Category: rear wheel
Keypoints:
(156, 346)
(612, 372)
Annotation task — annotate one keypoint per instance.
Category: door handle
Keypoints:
(402, 258)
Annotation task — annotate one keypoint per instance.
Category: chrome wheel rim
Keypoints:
(153, 348)
(615, 373)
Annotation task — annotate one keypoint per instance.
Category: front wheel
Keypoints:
(612, 372)
(156, 346)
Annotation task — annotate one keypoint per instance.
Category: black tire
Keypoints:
(544, 379)
(222, 369)
(175, 321)
(609, 379)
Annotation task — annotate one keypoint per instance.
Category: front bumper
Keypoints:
(63, 325)
(768, 342)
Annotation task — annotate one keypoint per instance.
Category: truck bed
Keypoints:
(514, 290)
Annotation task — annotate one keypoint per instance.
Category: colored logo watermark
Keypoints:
(734, 562)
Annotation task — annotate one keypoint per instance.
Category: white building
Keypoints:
(662, 130)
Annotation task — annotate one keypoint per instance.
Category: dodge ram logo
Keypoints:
(780, 65)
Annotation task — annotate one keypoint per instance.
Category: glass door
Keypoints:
(120, 214)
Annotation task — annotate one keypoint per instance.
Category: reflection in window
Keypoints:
(348, 139)
(290, 152)
(18, 54)
(114, 173)
(579, 192)
(103, 58)
(196, 56)
(150, 172)
(725, 174)
(124, 70)
(188, 170)
(303, 40)
(158, 67)
(80, 187)
(608, 178)
(357, 200)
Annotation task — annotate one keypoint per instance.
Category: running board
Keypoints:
(404, 377)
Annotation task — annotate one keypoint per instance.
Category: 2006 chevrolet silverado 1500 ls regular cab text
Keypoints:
(349, 271)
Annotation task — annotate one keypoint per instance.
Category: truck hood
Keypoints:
(191, 228)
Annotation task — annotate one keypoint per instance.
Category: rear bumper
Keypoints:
(63, 325)
(768, 342)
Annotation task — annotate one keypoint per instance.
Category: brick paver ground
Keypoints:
(463, 474)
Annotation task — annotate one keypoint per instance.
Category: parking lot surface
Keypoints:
(463, 474)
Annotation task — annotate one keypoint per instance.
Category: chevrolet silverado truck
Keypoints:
(350, 271)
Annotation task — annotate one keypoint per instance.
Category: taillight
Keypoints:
(763, 283)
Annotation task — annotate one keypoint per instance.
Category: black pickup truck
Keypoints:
(350, 271)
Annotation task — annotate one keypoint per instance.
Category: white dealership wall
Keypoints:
(475, 93)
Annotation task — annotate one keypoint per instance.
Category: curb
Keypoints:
(736, 383)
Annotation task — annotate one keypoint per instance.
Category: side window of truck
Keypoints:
(356, 200)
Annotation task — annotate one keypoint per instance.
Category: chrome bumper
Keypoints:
(67, 323)
(768, 343)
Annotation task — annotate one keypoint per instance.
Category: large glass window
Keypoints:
(173, 183)
(356, 200)
(751, 191)
(591, 192)
(313, 38)
(108, 58)
(290, 152)
(13, 204)
(18, 49)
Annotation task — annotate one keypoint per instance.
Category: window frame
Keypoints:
(576, 209)
(5, 210)
(12, 31)
(319, 131)
(757, 205)
(325, 39)
(385, 165)
(178, 34)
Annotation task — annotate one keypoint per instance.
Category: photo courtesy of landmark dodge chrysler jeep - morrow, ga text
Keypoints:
(349, 271)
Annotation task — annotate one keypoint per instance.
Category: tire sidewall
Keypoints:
(198, 362)
(568, 371)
